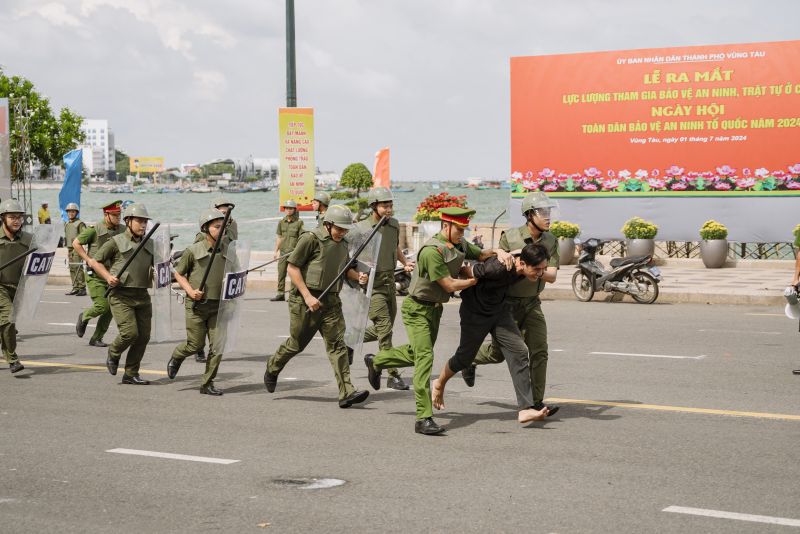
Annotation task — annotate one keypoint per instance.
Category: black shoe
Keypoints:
(210, 390)
(428, 427)
(270, 381)
(278, 298)
(350, 356)
(80, 326)
(71, 292)
(97, 343)
(796, 372)
(552, 409)
(200, 356)
(172, 367)
(135, 380)
(80, 293)
(16, 367)
(468, 375)
(112, 365)
(373, 375)
(395, 382)
(355, 397)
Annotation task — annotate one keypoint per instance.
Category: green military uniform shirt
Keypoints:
(10, 249)
(71, 230)
(289, 229)
(517, 238)
(117, 250)
(438, 259)
(193, 264)
(94, 237)
(319, 259)
(390, 238)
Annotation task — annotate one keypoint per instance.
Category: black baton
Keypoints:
(21, 256)
(217, 245)
(135, 252)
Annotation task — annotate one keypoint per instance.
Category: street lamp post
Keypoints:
(291, 78)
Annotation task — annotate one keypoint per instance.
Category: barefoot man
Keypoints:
(484, 311)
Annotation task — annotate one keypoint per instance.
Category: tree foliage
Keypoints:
(122, 164)
(49, 136)
(356, 176)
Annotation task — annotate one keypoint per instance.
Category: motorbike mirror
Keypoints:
(578, 241)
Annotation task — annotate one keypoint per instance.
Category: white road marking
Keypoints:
(288, 378)
(650, 355)
(54, 302)
(767, 314)
(258, 311)
(323, 483)
(733, 515)
(69, 324)
(171, 456)
(287, 337)
(556, 350)
(738, 331)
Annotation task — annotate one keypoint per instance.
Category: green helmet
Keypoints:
(340, 216)
(211, 214)
(222, 201)
(135, 210)
(290, 204)
(379, 194)
(322, 197)
(537, 200)
(11, 205)
(72, 206)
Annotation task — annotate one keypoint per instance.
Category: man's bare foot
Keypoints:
(530, 415)
(437, 394)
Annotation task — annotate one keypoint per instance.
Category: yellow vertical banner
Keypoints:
(297, 171)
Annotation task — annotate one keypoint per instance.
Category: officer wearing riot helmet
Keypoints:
(72, 228)
(320, 204)
(523, 297)
(383, 304)
(202, 307)
(13, 242)
(129, 299)
(92, 238)
(313, 265)
(289, 230)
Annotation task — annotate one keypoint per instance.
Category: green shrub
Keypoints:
(638, 228)
(565, 230)
(713, 230)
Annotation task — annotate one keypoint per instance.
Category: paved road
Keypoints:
(631, 439)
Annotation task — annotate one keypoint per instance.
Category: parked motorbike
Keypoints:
(634, 276)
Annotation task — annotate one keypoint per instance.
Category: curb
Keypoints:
(668, 297)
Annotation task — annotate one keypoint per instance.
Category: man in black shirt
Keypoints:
(483, 311)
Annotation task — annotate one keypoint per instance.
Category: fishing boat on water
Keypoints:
(403, 189)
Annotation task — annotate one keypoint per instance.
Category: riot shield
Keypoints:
(162, 275)
(425, 231)
(34, 274)
(237, 260)
(356, 298)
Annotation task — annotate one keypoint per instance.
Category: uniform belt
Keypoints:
(423, 302)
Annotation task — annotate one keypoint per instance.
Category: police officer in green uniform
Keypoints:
(129, 299)
(13, 242)
(524, 297)
(435, 277)
(72, 228)
(289, 230)
(319, 256)
(86, 245)
(383, 304)
(201, 306)
(320, 204)
(231, 234)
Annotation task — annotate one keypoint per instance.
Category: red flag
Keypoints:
(380, 173)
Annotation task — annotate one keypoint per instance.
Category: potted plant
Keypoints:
(713, 244)
(566, 232)
(640, 235)
(427, 216)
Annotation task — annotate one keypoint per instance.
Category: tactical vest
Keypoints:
(103, 234)
(422, 288)
(138, 273)
(71, 231)
(390, 237)
(326, 263)
(517, 239)
(290, 233)
(8, 251)
(201, 257)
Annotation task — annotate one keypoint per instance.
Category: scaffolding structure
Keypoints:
(21, 163)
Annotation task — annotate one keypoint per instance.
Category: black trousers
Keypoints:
(505, 333)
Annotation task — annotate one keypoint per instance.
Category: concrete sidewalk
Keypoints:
(754, 282)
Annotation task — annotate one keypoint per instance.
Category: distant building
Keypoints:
(99, 159)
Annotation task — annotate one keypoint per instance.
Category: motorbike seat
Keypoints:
(618, 262)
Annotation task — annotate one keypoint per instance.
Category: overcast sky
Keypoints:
(194, 80)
